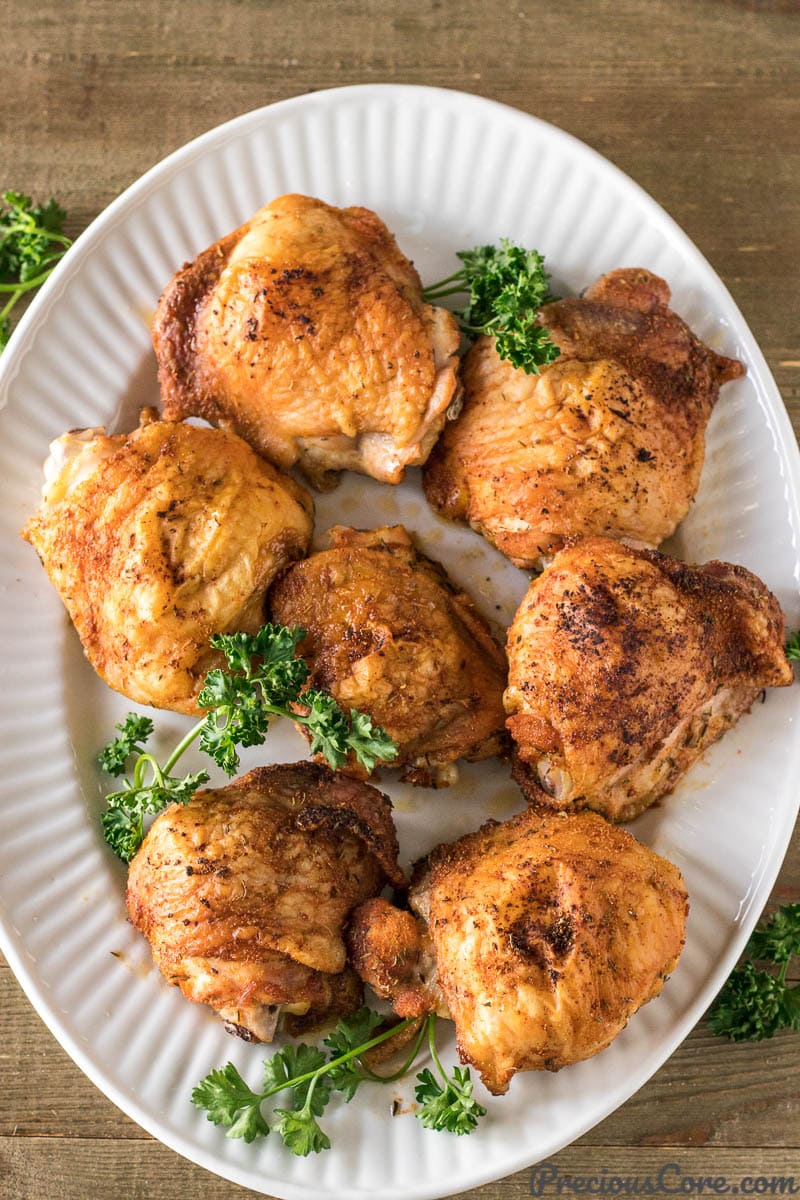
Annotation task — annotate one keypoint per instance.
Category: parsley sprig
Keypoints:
(448, 1104)
(506, 286)
(755, 1003)
(793, 646)
(264, 680)
(32, 241)
(311, 1078)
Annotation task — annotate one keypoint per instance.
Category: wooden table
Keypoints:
(698, 100)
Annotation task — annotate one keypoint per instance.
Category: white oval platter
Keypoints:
(445, 171)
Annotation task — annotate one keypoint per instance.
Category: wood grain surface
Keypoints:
(699, 101)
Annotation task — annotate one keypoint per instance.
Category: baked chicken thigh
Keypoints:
(244, 892)
(539, 937)
(306, 332)
(159, 539)
(624, 665)
(608, 439)
(389, 634)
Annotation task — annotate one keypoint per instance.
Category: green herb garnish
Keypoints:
(793, 646)
(755, 1003)
(264, 680)
(506, 285)
(32, 241)
(312, 1080)
(447, 1102)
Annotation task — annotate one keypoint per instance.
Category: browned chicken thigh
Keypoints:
(608, 439)
(624, 665)
(306, 332)
(539, 937)
(244, 892)
(390, 635)
(159, 539)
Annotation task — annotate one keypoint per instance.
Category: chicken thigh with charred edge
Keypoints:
(608, 439)
(538, 936)
(389, 634)
(624, 665)
(244, 892)
(306, 332)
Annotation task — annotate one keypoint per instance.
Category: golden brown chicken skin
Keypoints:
(159, 539)
(608, 439)
(388, 633)
(624, 665)
(306, 332)
(244, 892)
(539, 936)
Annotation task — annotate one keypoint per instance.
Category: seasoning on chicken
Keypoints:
(539, 937)
(624, 665)
(389, 634)
(609, 439)
(244, 892)
(159, 539)
(306, 332)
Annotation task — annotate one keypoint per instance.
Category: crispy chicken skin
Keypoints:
(624, 665)
(306, 332)
(244, 892)
(539, 936)
(159, 539)
(609, 439)
(389, 634)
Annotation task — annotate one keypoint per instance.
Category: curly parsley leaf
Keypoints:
(336, 736)
(237, 717)
(264, 679)
(793, 646)
(305, 1072)
(749, 1006)
(134, 733)
(296, 1067)
(123, 820)
(790, 1010)
(268, 656)
(449, 1105)
(349, 1034)
(328, 726)
(229, 1101)
(353, 1031)
(311, 1078)
(447, 1102)
(506, 286)
(32, 241)
(755, 1003)
(369, 742)
(779, 938)
(301, 1132)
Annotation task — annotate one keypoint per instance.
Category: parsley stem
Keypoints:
(343, 1058)
(376, 1075)
(19, 288)
(432, 1047)
(5, 311)
(183, 745)
(306, 1109)
(32, 227)
(143, 761)
(457, 290)
(433, 288)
